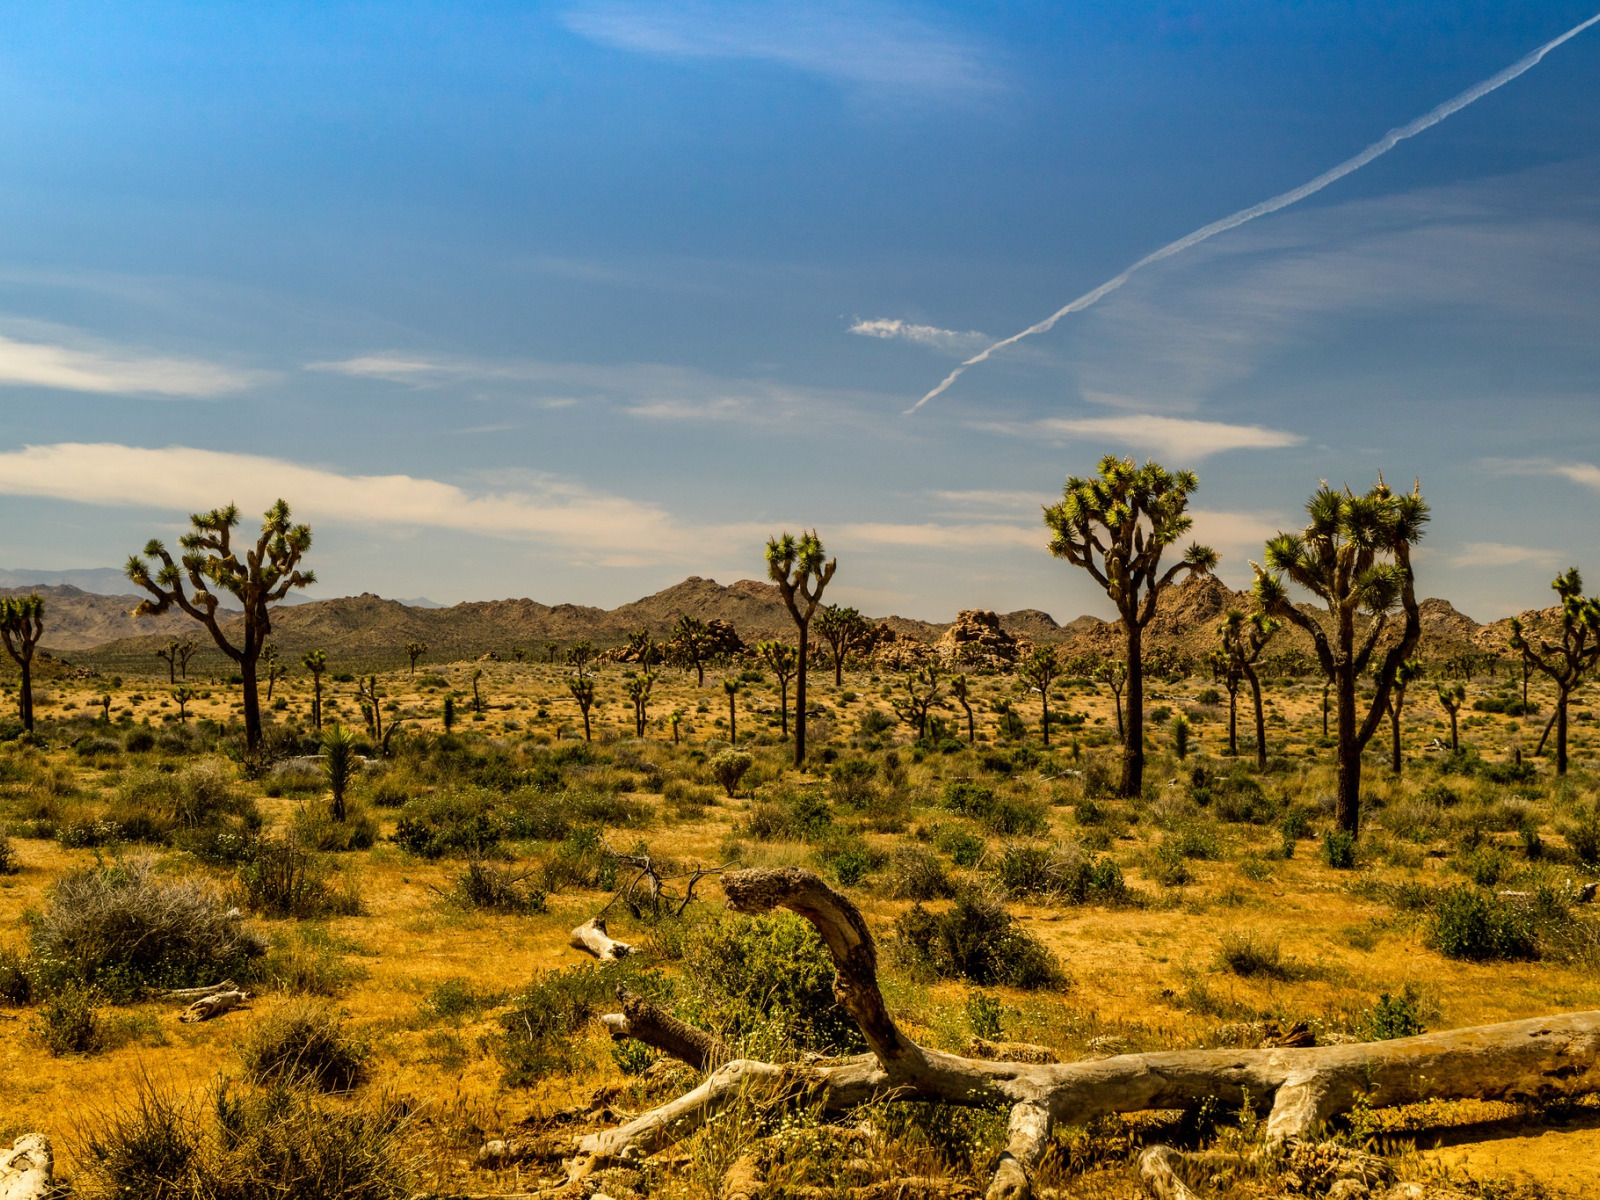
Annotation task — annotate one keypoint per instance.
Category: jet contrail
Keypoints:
(1378, 148)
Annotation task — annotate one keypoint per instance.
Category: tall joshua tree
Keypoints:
(842, 629)
(1566, 662)
(1243, 640)
(1407, 674)
(186, 649)
(638, 690)
(693, 646)
(1354, 555)
(414, 651)
(797, 566)
(1039, 671)
(731, 685)
(169, 655)
(1116, 524)
(316, 662)
(21, 625)
(783, 660)
(582, 689)
(960, 690)
(1451, 698)
(274, 669)
(269, 571)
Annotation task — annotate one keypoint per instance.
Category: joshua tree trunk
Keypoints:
(800, 694)
(1324, 712)
(1133, 739)
(1232, 685)
(25, 695)
(783, 703)
(1261, 718)
(1347, 808)
(1044, 714)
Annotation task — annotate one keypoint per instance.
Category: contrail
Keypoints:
(1378, 148)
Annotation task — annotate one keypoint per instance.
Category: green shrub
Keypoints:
(16, 981)
(304, 1043)
(1479, 926)
(536, 1032)
(485, 886)
(1583, 837)
(1251, 956)
(977, 940)
(1486, 866)
(965, 849)
(8, 856)
(304, 960)
(1008, 816)
(729, 767)
(125, 930)
(986, 1016)
(283, 879)
(848, 856)
(454, 823)
(1392, 1017)
(918, 875)
(1167, 866)
(68, 1021)
(1339, 849)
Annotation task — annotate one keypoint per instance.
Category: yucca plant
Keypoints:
(338, 765)
(801, 569)
(1566, 663)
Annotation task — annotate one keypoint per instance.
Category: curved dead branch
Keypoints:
(1532, 1059)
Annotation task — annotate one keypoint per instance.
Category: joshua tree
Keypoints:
(517, 655)
(1039, 671)
(1180, 736)
(784, 660)
(675, 720)
(477, 696)
(642, 649)
(1408, 672)
(638, 689)
(170, 657)
(1115, 525)
(1567, 662)
(186, 649)
(550, 649)
(959, 689)
(414, 651)
(316, 662)
(105, 708)
(183, 695)
(1355, 556)
(693, 646)
(796, 565)
(582, 689)
(731, 686)
(338, 765)
(922, 693)
(1115, 676)
(275, 669)
(21, 624)
(367, 697)
(842, 628)
(447, 713)
(1243, 640)
(269, 571)
(579, 655)
(1451, 700)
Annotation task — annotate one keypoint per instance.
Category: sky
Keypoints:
(573, 300)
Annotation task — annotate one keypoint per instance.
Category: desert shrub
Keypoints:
(139, 741)
(965, 849)
(551, 816)
(729, 767)
(454, 822)
(1339, 849)
(1167, 866)
(284, 879)
(8, 856)
(848, 856)
(282, 1142)
(202, 793)
(1008, 816)
(977, 940)
(875, 721)
(455, 999)
(580, 861)
(1486, 866)
(304, 960)
(304, 1043)
(1026, 871)
(803, 814)
(768, 977)
(16, 981)
(125, 930)
(1252, 956)
(1583, 837)
(1197, 840)
(686, 798)
(69, 1022)
(315, 828)
(851, 782)
(985, 1016)
(918, 875)
(1511, 706)
(536, 1032)
(1392, 1017)
(485, 886)
(1472, 924)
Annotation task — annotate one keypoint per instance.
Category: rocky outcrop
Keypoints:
(977, 639)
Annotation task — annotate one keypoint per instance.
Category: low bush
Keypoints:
(69, 1021)
(1251, 956)
(916, 874)
(125, 930)
(9, 865)
(16, 980)
(800, 815)
(1392, 1017)
(965, 849)
(729, 767)
(1583, 837)
(976, 940)
(483, 885)
(536, 1032)
(1477, 925)
(848, 856)
(1006, 815)
(1339, 849)
(304, 1043)
(305, 960)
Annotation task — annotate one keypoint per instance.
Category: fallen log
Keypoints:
(199, 993)
(656, 1027)
(212, 1005)
(1301, 1087)
(591, 937)
(28, 1169)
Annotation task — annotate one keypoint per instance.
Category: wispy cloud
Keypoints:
(650, 391)
(992, 499)
(73, 363)
(953, 341)
(1498, 554)
(875, 44)
(932, 534)
(1175, 437)
(599, 528)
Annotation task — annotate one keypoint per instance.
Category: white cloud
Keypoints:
(605, 529)
(84, 369)
(1179, 438)
(1585, 473)
(952, 340)
(1497, 554)
(858, 43)
(931, 534)
(996, 499)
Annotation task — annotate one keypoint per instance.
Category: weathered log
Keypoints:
(212, 1005)
(1303, 1086)
(28, 1169)
(591, 936)
(199, 993)
(1025, 1052)
(656, 1027)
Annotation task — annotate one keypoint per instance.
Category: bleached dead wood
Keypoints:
(197, 993)
(1304, 1086)
(212, 1005)
(655, 1027)
(28, 1169)
(591, 936)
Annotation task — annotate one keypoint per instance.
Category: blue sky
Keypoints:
(572, 300)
